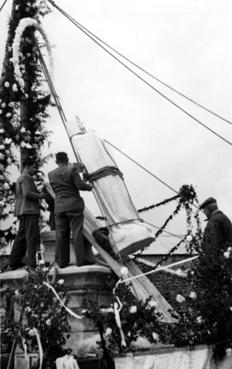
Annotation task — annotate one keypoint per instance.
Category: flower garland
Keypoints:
(137, 318)
(39, 312)
(187, 199)
(164, 202)
(22, 113)
(23, 24)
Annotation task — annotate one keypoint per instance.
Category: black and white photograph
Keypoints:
(115, 184)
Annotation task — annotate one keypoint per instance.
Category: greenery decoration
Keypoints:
(212, 280)
(164, 202)
(187, 199)
(37, 308)
(138, 319)
(23, 113)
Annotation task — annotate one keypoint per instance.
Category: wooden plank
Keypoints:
(142, 288)
(113, 264)
(146, 288)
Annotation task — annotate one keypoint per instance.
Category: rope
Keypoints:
(69, 311)
(171, 271)
(142, 167)
(4, 3)
(170, 233)
(147, 171)
(142, 69)
(60, 109)
(138, 76)
(157, 270)
(64, 121)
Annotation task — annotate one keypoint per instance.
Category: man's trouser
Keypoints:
(64, 223)
(27, 241)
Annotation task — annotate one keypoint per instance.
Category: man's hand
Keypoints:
(79, 167)
(91, 186)
(42, 195)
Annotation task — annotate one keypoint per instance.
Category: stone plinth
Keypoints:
(48, 240)
(83, 283)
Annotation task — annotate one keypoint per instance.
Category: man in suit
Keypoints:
(27, 210)
(69, 206)
(218, 231)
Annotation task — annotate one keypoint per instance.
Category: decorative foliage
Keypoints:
(187, 199)
(23, 24)
(164, 202)
(22, 113)
(212, 279)
(190, 329)
(8, 235)
(205, 315)
(138, 319)
(38, 309)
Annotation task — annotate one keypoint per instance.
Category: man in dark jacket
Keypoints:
(218, 231)
(27, 210)
(69, 206)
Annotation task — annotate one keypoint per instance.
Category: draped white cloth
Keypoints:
(66, 362)
(183, 358)
(127, 232)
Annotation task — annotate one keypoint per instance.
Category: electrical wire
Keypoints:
(169, 233)
(142, 167)
(64, 121)
(147, 171)
(142, 79)
(141, 68)
(4, 3)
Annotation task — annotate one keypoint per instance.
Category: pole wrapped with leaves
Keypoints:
(23, 112)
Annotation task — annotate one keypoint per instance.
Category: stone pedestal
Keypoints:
(83, 283)
(48, 242)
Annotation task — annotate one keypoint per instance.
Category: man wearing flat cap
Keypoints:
(218, 231)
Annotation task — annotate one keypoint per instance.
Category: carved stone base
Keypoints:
(83, 283)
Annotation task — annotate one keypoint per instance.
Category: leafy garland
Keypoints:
(138, 319)
(164, 202)
(37, 309)
(187, 199)
(203, 311)
(21, 129)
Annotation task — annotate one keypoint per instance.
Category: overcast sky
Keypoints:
(187, 44)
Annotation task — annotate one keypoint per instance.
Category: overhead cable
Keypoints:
(2, 6)
(58, 104)
(64, 120)
(165, 231)
(141, 68)
(142, 167)
(146, 170)
(142, 79)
